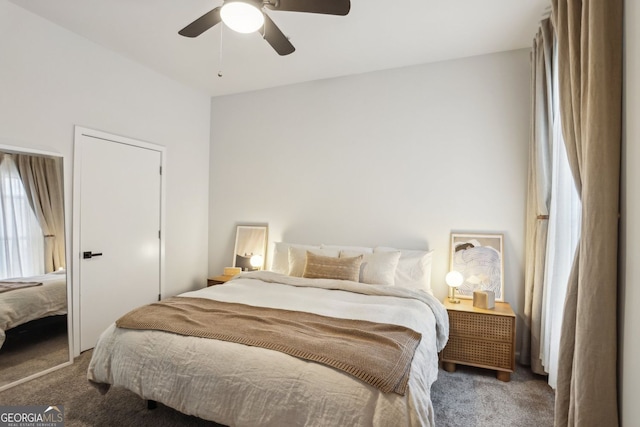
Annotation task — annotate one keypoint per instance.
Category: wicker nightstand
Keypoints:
(482, 338)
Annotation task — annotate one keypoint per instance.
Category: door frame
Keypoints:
(75, 254)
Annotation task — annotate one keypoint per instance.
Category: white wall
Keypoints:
(630, 222)
(51, 80)
(399, 158)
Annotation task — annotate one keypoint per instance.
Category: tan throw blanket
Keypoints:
(378, 354)
(12, 286)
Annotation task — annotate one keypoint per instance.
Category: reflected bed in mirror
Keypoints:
(34, 321)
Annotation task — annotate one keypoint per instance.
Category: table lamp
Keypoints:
(256, 262)
(453, 279)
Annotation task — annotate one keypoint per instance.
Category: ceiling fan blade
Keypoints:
(275, 37)
(328, 7)
(201, 24)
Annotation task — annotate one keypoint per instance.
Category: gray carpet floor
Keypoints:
(474, 397)
(20, 361)
(33, 347)
(469, 397)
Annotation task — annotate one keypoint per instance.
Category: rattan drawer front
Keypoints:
(498, 328)
(497, 355)
(480, 337)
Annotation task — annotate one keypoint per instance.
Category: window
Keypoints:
(562, 238)
(21, 238)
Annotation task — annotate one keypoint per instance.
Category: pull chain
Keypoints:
(220, 57)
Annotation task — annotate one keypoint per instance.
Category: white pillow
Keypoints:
(414, 268)
(280, 261)
(378, 268)
(298, 258)
(353, 249)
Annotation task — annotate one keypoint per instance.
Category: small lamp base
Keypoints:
(452, 295)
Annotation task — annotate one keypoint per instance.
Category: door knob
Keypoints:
(89, 254)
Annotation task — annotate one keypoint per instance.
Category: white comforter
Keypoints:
(238, 385)
(23, 305)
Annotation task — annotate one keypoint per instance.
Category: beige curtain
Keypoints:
(538, 192)
(590, 73)
(42, 179)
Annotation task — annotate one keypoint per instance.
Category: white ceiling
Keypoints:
(375, 35)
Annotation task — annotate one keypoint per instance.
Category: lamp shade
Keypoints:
(242, 17)
(454, 279)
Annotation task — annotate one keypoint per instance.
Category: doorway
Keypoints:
(118, 222)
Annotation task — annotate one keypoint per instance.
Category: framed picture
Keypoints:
(250, 251)
(479, 258)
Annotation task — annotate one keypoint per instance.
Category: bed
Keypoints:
(31, 302)
(239, 385)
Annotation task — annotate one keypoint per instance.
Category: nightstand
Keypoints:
(482, 338)
(218, 280)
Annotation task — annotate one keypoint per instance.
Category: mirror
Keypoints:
(251, 247)
(34, 321)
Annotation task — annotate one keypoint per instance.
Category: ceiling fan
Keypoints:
(247, 16)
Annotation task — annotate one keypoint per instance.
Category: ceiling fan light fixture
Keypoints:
(242, 17)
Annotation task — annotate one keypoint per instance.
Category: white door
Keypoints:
(119, 259)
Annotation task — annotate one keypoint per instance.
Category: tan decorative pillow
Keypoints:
(322, 267)
(298, 258)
